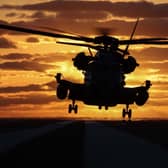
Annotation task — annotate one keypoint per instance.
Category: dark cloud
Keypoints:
(151, 54)
(129, 9)
(54, 57)
(146, 27)
(152, 58)
(32, 99)
(38, 14)
(29, 88)
(160, 85)
(35, 15)
(20, 89)
(11, 14)
(82, 16)
(140, 9)
(5, 43)
(160, 102)
(22, 15)
(26, 66)
(32, 40)
(153, 27)
(150, 27)
(16, 56)
(48, 58)
(51, 85)
(162, 67)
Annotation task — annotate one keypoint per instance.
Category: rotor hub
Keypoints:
(106, 40)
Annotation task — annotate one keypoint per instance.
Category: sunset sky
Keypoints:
(28, 63)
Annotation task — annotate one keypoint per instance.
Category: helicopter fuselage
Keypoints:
(104, 81)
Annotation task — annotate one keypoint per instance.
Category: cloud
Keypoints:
(153, 27)
(32, 40)
(25, 66)
(128, 9)
(48, 58)
(72, 13)
(161, 66)
(17, 89)
(160, 86)
(50, 86)
(86, 26)
(38, 14)
(150, 27)
(154, 60)
(5, 43)
(140, 9)
(32, 99)
(33, 15)
(54, 57)
(82, 16)
(161, 102)
(151, 54)
(11, 14)
(16, 56)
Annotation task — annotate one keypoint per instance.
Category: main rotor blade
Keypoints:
(159, 42)
(82, 45)
(58, 30)
(141, 40)
(44, 33)
(81, 38)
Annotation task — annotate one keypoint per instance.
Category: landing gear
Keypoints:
(128, 112)
(106, 107)
(73, 106)
(100, 107)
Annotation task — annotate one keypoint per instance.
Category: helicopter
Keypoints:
(104, 73)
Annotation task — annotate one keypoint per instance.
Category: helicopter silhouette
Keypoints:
(104, 73)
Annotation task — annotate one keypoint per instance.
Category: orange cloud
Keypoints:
(5, 43)
(26, 66)
(32, 40)
(31, 99)
(16, 56)
(29, 88)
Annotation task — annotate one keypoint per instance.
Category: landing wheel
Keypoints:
(128, 112)
(76, 109)
(70, 108)
(106, 107)
(73, 107)
(123, 113)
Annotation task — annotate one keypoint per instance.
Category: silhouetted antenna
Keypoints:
(132, 34)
